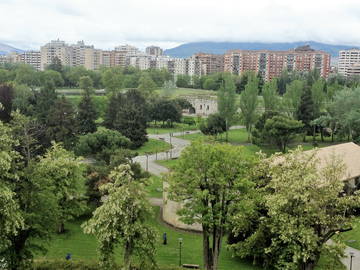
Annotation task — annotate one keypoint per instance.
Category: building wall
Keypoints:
(347, 58)
(271, 64)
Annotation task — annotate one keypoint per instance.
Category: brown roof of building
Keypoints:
(349, 153)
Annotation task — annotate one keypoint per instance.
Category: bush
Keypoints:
(101, 144)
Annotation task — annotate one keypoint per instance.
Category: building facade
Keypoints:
(347, 59)
(270, 64)
(154, 50)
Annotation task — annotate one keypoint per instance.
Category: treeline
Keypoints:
(213, 81)
(69, 77)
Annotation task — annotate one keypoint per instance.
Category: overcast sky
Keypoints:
(107, 23)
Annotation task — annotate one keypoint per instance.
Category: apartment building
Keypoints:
(208, 63)
(353, 70)
(55, 48)
(154, 50)
(347, 59)
(32, 58)
(270, 64)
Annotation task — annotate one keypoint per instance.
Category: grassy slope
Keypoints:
(152, 146)
(83, 247)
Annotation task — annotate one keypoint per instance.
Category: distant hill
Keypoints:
(188, 49)
(5, 49)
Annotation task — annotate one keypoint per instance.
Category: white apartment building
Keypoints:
(348, 58)
(56, 48)
(154, 50)
(180, 66)
(141, 62)
(127, 49)
(32, 58)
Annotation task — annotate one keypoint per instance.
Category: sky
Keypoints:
(28, 24)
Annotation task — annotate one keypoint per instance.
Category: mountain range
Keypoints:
(188, 49)
(5, 49)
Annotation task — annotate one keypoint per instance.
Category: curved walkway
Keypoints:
(149, 163)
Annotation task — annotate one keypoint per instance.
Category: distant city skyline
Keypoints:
(27, 24)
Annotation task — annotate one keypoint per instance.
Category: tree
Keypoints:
(183, 81)
(45, 101)
(11, 220)
(55, 65)
(208, 180)
(306, 111)
(6, 101)
(116, 100)
(101, 144)
(248, 103)
(292, 97)
(36, 203)
(112, 80)
(26, 74)
(258, 134)
(318, 96)
(146, 84)
(270, 95)
(121, 219)
(306, 209)
(66, 172)
(51, 77)
(213, 125)
(166, 111)
(28, 132)
(87, 113)
(24, 100)
(227, 102)
(281, 130)
(131, 118)
(61, 123)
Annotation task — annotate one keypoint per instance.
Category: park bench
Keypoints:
(191, 266)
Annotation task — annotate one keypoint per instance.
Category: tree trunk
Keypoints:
(127, 255)
(227, 128)
(310, 264)
(217, 237)
(61, 228)
(322, 134)
(207, 252)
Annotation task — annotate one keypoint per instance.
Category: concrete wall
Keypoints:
(203, 106)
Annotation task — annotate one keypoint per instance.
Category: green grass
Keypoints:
(153, 146)
(178, 92)
(155, 187)
(83, 247)
(236, 136)
(352, 238)
(167, 163)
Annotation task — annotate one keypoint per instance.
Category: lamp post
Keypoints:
(171, 134)
(351, 258)
(180, 244)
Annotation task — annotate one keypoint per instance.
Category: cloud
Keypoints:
(107, 23)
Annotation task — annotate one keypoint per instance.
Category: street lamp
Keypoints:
(180, 244)
(351, 258)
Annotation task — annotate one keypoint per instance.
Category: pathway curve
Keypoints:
(355, 260)
(148, 163)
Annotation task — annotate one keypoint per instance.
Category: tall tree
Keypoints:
(6, 101)
(112, 80)
(45, 101)
(208, 180)
(306, 209)
(131, 118)
(248, 103)
(227, 101)
(121, 219)
(116, 101)
(318, 96)
(55, 65)
(61, 123)
(146, 84)
(270, 95)
(213, 125)
(292, 97)
(87, 113)
(66, 172)
(306, 111)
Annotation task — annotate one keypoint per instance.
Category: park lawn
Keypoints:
(155, 187)
(178, 92)
(352, 238)
(84, 247)
(170, 163)
(153, 146)
(236, 136)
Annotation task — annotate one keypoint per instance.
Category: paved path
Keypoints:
(355, 259)
(148, 163)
